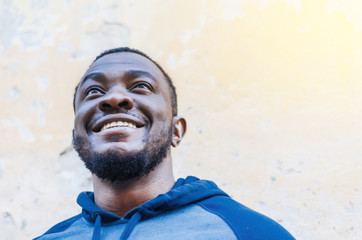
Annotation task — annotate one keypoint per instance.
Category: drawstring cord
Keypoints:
(130, 225)
(127, 231)
(97, 228)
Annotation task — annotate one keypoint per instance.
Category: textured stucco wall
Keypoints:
(271, 90)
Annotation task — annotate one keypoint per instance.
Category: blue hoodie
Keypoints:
(192, 209)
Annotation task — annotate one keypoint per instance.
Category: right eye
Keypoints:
(93, 91)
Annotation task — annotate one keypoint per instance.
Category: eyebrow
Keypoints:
(129, 75)
(91, 76)
(132, 74)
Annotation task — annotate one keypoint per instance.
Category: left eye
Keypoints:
(142, 86)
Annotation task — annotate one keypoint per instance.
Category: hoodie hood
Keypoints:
(184, 192)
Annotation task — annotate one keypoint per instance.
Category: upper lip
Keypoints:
(116, 117)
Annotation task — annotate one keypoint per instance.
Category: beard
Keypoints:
(113, 166)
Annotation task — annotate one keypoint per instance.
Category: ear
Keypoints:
(179, 130)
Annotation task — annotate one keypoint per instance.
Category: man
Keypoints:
(125, 123)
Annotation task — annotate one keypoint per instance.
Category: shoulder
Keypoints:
(245, 222)
(60, 227)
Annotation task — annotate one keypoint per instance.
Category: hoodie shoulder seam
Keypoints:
(220, 216)
(253, 224)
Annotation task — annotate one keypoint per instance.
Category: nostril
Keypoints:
(123, 104)
(106, 105)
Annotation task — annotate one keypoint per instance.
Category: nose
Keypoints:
(114, 101)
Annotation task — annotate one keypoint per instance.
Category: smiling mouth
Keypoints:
(118, 124)
(119, 120)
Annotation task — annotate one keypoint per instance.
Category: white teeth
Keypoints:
(118, 124)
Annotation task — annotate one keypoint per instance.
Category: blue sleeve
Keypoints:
(246, 223)
(62, 226)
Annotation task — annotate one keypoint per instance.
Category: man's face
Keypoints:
(123, 116)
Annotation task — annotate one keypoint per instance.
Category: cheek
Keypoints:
(154, 107)
(83, 116)
(162, 110)
(160, 116)
(78, 122)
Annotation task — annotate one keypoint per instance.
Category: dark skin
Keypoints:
(130, 88)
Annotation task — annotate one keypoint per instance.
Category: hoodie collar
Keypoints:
(184, 192)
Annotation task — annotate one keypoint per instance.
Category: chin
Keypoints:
(121, 160)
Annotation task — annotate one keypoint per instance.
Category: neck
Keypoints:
(122, 196)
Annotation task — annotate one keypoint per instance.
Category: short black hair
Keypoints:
(131, 50)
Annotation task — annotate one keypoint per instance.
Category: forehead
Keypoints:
(117, 63)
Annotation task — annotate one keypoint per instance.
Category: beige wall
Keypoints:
(271, 90)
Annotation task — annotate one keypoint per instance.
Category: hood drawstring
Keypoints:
(130, 225)
(97, 227)
(126, 232)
